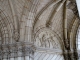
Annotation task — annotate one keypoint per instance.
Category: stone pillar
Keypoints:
(75, 55)
(29, 54)
(28, 51)
(70, 55)
(67, 55)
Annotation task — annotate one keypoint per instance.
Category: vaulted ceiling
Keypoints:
(33, 20)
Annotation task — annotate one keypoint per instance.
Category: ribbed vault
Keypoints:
(38, 30)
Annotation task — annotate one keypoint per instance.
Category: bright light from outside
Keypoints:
(79, 40)
(78, 5)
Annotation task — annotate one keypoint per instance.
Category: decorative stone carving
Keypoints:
(17, 49)
(72, 5)
(16, 36)
(45, 38)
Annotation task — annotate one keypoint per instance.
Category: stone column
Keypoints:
(75, 55)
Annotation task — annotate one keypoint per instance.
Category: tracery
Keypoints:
(38, 30)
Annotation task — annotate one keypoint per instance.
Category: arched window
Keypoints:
(78, 39)
(78, 36)
(78, 42)
(78, 6)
